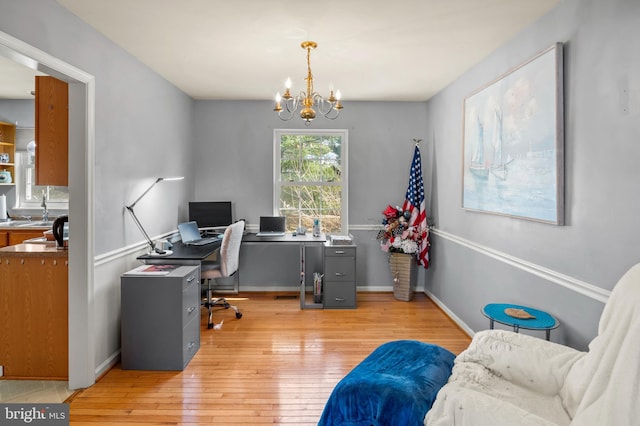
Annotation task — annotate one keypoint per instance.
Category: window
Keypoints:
(310, 179)
(30, 194)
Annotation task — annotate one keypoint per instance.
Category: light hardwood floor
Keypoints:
(276, 365)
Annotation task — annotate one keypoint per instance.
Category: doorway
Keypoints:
(81, 190)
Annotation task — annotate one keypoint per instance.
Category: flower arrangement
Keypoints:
(397, 236)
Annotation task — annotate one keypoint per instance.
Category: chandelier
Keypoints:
(287, 105)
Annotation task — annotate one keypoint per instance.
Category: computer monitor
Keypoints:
(210, 213)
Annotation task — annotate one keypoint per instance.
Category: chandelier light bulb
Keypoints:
(277, 108)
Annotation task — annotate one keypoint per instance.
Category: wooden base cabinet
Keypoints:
(11, 237)
(160, 324)
(34, 339)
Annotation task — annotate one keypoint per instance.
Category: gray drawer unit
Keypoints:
(340, 269)
(339, 285)
(339, 295)
(160, 319)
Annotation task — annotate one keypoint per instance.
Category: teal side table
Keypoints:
(542, 321)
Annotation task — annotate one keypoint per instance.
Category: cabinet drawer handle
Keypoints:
(191, 278)
(191, 309)
(339, 299)
(191, 345)
(339, 251)
(340, 274)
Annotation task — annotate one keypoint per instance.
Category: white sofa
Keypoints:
(510, 379)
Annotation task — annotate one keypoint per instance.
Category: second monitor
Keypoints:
(210, 213)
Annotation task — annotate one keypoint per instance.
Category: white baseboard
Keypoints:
(107, 364)
(450, 313)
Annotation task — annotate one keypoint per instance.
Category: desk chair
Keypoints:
(223, 271)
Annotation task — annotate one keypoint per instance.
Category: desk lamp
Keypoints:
(152, 245)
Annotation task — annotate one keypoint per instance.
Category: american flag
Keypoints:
(414, 203)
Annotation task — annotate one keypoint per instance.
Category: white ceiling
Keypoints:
(403, 50)
(16, 81)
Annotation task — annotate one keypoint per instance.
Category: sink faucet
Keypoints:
(45, 213)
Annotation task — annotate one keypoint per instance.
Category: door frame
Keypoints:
(81, 197)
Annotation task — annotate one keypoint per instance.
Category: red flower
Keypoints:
(390, 212)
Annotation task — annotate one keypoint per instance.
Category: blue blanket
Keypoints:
(395, 385)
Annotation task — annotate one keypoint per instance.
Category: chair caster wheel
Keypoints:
(209, 326)
(238, 315)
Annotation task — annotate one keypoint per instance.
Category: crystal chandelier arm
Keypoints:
(293, 103)
(326, 107)
(332, 114)
(285, 114)
(288, 109)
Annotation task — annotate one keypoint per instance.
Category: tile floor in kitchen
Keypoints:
(34, 391)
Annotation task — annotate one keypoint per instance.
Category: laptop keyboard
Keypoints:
(204, 241)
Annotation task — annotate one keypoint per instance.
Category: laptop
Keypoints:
(272, 226)
(190, 235)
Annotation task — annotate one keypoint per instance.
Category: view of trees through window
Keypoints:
(311, 182)
(30, 194)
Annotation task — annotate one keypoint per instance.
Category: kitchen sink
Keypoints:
(38, 223)
(13, 223)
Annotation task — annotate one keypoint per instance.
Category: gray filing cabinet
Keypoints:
(339, 285)
(160, 325)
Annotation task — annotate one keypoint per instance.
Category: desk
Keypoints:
(300, 240)
(542, 320)
(183, 255)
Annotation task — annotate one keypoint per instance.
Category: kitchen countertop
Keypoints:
(25, 225)
(33, 250)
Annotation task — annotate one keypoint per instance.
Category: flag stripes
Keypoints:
(415, 204)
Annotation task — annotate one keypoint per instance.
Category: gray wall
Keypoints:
(20, 112)
(233, 153)
(480, 258)
(233, 157)
(143, 123)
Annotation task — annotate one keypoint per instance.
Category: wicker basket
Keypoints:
(403, 271)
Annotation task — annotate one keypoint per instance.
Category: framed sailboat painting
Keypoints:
(513, 142)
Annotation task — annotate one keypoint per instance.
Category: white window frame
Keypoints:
(25, 200)
(344, 181)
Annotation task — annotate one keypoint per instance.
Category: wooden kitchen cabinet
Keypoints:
(18, 236)
(12, 236)
(52, 131)
(34, 306)
(8, 151)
